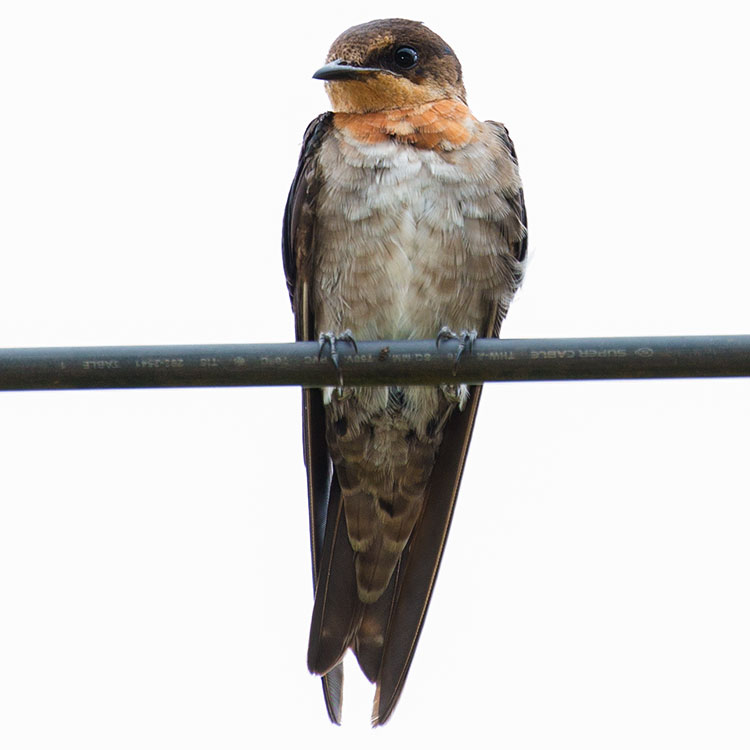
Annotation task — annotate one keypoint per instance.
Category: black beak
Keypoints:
(341, 71)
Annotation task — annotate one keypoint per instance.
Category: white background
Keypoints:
(154, 564)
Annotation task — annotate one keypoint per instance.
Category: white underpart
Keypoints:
(393, 241)
(411, 191)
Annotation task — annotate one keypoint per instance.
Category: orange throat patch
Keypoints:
(443, 125)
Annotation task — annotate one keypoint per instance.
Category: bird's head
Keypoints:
(388, 64)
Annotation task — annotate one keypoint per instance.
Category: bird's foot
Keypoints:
(332, 340)
(465, 340)
(339, 392)
(456, 394)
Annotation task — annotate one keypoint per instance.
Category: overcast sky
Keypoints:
(154, 564)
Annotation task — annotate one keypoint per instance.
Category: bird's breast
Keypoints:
(390, 240)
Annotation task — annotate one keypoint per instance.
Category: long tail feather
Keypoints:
(333, 692)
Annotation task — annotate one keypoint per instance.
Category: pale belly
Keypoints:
(391, 247)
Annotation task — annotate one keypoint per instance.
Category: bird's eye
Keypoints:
(406, 57)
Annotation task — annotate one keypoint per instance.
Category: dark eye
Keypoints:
(406, 57)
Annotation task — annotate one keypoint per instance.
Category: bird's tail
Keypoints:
(383, 634)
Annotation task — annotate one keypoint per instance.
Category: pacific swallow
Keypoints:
(405, 218)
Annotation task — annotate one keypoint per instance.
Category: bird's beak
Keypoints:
(341, 71)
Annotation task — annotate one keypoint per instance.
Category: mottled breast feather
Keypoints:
(411, 239)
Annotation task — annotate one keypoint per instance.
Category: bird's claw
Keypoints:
(456, 394)
(465, 340)
(332, 339)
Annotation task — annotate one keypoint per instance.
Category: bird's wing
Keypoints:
(515, 230)
(298, 249)
(299, 226)
(403, 617)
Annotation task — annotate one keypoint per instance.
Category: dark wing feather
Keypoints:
(299, 215)
(518, 237)
(298, 247)
(337, 609)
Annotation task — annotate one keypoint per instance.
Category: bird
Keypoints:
(405, 220)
